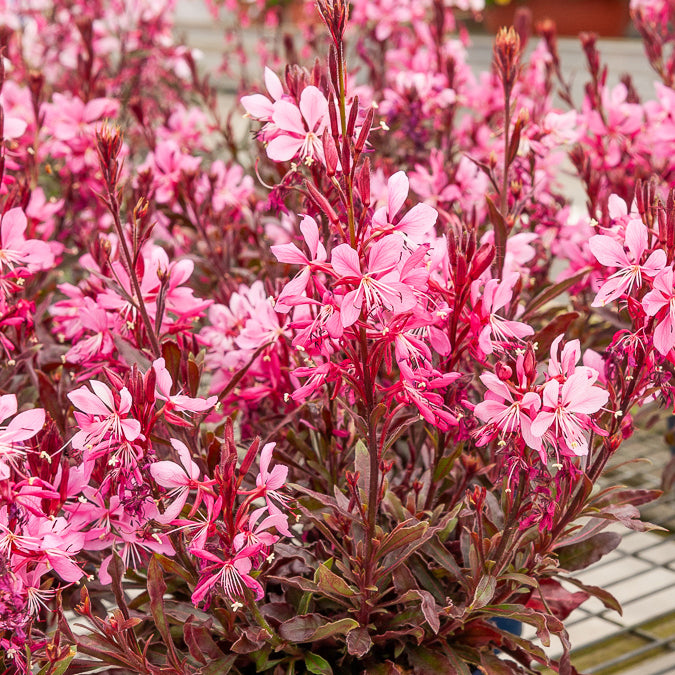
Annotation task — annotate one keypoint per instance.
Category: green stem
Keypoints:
(260, 619)
(113, 207)
(342, 96)
(500, 237)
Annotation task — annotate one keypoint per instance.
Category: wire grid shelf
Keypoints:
(640, 573)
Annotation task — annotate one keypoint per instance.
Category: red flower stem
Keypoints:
(374, 479)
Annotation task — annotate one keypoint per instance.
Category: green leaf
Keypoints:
(362, 466)
(219, 667)
(331, 583)
(156, 590)
(428, 604)
(552, 292)
(485, 591)
(544, 623)
(50, 400)
(439, 553)
(457, 663)
(359, 642)
(431, 662)
(199, 641)
(618, 495)
(584, 553)
(491, 665)
(500, 230)
(605, 597)
(628, 515)
(341, 627)
(317, 664)
(401, 536)
(170, 566)
(559, 325)
(61, 666)
(116, 570)
(311, 627)
(445, 463)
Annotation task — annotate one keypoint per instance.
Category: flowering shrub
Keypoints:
(338, 406)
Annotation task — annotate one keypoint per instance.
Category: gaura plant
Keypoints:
(335, 400)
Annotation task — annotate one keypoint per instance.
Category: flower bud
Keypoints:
(507, 55)
(503, 372)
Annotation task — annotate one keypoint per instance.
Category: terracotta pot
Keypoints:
(607, 18)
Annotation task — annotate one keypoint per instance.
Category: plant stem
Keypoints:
(127, 261)
(500, 235)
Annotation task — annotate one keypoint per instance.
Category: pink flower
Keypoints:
(610, 253)
(24, 426)
(495, 331)
(101, 416)
(231, 574)
(178, 480)
(317, 377)
(417, 389)
(16, 250)
(268, 483)
(259, 106)
(313, 332)
(565, 363)
(660, 301)
(179, 402)
(290, 253)
(71, 120)
(564, 416)
(416, 223)
(136, 544)
(300, 129)
(167, 163)
(505, 413)
(58, 543)
(257, 534)
(379, 286)
(100, 345)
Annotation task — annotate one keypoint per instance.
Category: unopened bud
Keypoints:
(507, 55)
(482, 260)
(503, 372)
